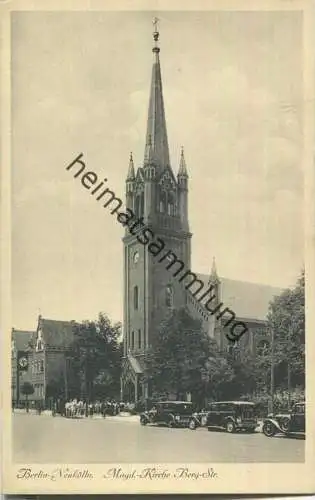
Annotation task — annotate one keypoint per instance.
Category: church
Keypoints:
(158, 195)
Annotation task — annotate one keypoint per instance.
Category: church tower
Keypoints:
(160, 197)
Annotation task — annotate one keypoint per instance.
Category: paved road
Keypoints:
(46, 439)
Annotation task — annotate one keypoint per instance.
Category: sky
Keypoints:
(233, 97)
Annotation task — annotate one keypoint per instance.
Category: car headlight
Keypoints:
(238, 420)
(177, 417)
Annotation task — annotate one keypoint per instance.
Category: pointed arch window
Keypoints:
(169, 296)
(139, 339)
(132, 339)
(135, 298)
(142, 203)
(137, 205)
(162, 201)
(171, 204)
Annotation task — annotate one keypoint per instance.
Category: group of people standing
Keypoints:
(77, 408)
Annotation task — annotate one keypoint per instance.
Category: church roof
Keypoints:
(21, 339)
(56, 333)
(156, 148)
(247, 300)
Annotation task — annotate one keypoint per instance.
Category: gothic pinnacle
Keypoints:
(131, 170)
(182, 171)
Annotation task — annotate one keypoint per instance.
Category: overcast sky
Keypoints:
(233, 98)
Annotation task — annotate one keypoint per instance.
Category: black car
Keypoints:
(170, 413)
(232, 416)
(292, 422)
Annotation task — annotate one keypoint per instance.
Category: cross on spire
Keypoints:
(155, 23)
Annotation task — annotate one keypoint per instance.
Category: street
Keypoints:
(46, 439)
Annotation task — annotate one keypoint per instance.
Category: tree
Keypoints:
(218, 374)
(177, 363)
(27, 389)
(96, 356)
(287, 319)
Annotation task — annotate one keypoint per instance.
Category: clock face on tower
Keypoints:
(23, 362)
(136, 257)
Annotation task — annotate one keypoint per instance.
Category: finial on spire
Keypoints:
(182, 171)
(156, 35)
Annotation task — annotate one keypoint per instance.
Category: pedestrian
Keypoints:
(103, 409)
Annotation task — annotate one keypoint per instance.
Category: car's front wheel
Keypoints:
(143, 421)
(230, 427)
(269, 429)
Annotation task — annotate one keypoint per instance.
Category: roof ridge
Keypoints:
(246, 282)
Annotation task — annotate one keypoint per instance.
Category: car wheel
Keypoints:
(143, 421)
(170, 424)
(230, 427)
(192, 425)
(269, 429)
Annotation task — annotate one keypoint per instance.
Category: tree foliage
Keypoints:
(96, 356)
(185, 360)
(287, 319)
(27, 389)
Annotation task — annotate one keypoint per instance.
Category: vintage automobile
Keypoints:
(170, 413)
(232, 416)
(292, 422)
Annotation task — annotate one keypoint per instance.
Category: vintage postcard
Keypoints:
(158, 232)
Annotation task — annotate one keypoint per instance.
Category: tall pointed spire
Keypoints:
(131, 170)
(156, 138)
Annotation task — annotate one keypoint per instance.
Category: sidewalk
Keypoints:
(121, 417)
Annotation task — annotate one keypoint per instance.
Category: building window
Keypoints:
(42, 366)
(139, 205)
(142, 204)
(263, 348)
(132, 339)
(139, 339)
(135, 297)
(171, 204)
(169, 296)
(162, 201)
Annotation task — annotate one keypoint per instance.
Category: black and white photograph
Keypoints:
(158, 248)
